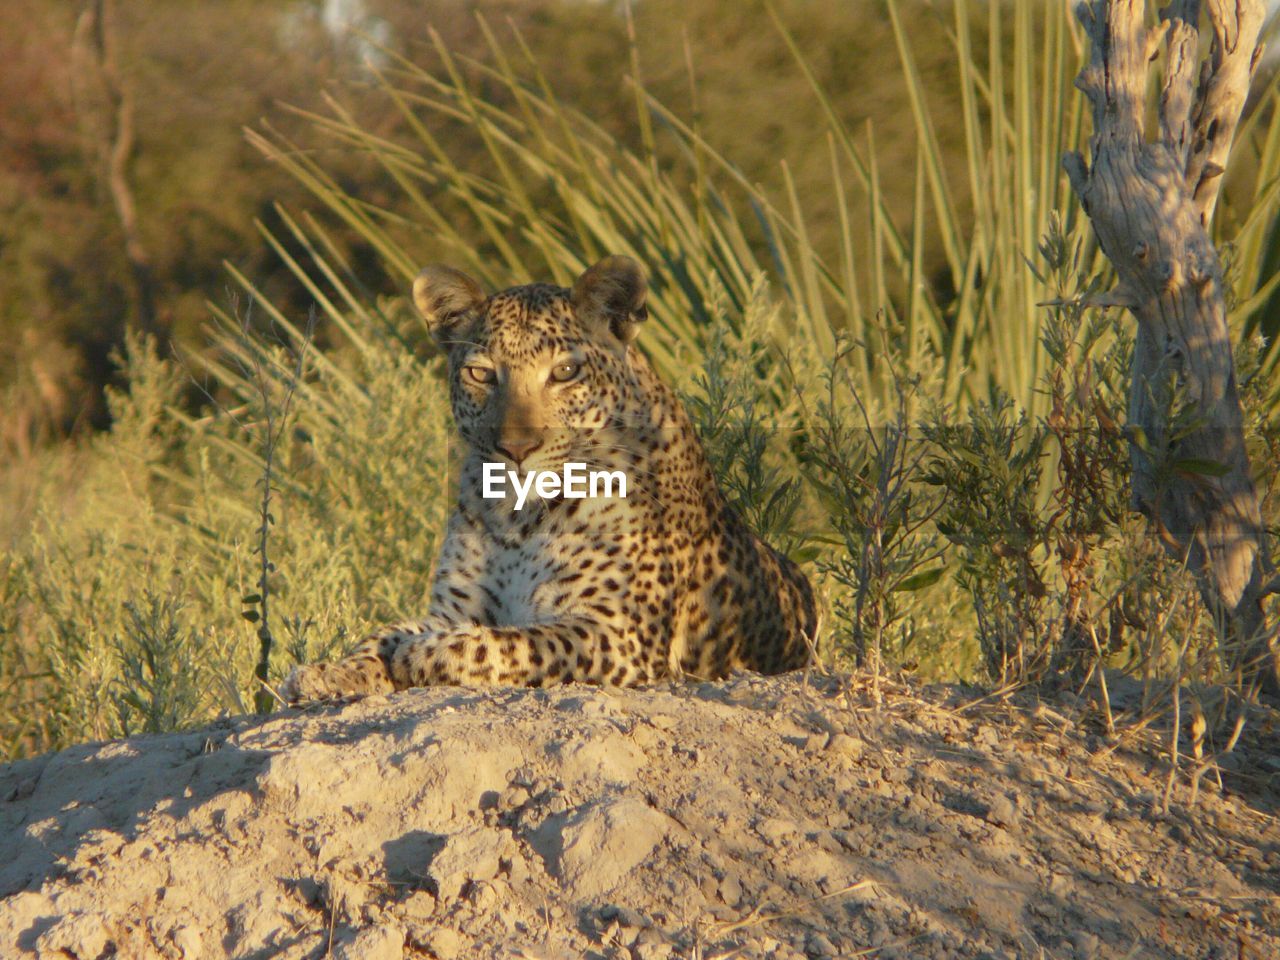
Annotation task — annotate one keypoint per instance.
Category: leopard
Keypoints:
(665, 583)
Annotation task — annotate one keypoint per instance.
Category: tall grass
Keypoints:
(919, 437)
(559, 192)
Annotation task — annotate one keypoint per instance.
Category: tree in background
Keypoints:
(125, 182)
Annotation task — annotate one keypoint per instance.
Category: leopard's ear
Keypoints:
(445, 297)
(613, 294)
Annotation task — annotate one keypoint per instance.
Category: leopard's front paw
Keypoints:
(311, 681)
(355, 676)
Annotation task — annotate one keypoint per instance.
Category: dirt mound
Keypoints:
(754, 818)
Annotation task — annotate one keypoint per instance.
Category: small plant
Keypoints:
(1031, 503)
(863, 462)
(1090, 352)
(1062, 575)
(22, 678)
(275, 384)
(155, 688)
(744, 424)
(989, 466)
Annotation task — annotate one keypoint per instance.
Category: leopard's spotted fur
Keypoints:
(664, 583)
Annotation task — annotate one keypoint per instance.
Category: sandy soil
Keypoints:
(757, 818)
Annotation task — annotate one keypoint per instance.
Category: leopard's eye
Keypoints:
(481, 374)
(564, 372)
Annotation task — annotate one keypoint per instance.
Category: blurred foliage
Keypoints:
(197, 73)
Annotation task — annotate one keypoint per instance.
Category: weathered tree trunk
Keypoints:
(1151, 204)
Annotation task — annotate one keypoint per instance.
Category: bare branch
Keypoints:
(1236, 25)
(1180, 78)
(1115, 78)
(114, 140)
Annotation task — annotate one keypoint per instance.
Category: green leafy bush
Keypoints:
(126, 603)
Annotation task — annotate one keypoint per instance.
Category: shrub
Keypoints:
(133, 593)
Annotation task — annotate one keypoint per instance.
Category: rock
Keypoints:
(843, 745)
(24, 912)
(514, 797)
(254, 923)
(592, 850)
(81, 936)
(651, 951)
(611, 759)
(372, 943)
(472, 855)
(818, 945)
(708, 886)
(188, 941)
(346, 898)
(820, 869)
(1085, 944)
(418, 904)
(816, 742)
(1001, 812)
(444, 943)
(308, 782)
(483, 896)
(986, 736)
(517, 868)
(586, 706)
(895, 774)
(775, 830)
(625, 916)
(731, 890)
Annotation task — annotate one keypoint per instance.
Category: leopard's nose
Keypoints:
(516, 449)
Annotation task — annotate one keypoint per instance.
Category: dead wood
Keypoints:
(1150, 202)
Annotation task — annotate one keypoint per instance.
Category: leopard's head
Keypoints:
(540, 375)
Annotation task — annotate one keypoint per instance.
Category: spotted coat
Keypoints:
(666, 582)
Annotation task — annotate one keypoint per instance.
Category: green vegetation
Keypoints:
(862, 337)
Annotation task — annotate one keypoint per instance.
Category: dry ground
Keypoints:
(753, 818)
